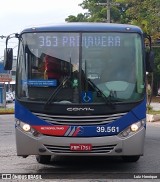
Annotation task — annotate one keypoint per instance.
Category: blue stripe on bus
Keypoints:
(136, 114)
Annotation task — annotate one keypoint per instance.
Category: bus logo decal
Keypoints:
(72, 109)
(74, 131)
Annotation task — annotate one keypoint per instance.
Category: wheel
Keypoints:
(131, 158)
(43, 159)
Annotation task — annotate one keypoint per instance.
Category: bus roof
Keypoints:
(85, 27)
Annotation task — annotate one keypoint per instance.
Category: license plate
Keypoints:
(80, 147)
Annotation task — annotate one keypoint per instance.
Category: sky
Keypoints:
(16, 15)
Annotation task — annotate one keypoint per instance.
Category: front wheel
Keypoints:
(130, 158)
(43, 159)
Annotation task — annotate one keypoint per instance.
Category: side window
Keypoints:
(139, 65)
(22, 76)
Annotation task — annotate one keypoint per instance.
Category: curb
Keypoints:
(152, 118)
(6, 110)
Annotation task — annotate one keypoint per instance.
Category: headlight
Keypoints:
(27, 128)
(132, 129)
(24, 126)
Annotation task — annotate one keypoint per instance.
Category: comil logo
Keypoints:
(72, 109)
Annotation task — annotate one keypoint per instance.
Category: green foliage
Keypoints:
(79, 18)
(144, 13)
(98, 12)
(150, 111)
(149, 107)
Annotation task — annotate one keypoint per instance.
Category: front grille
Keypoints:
(66, 149)
(79, 120)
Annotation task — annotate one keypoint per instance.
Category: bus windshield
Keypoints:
(80, 67)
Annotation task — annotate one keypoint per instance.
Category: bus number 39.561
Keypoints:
(109, 129)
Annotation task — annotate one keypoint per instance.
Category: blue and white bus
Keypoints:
(80, 90)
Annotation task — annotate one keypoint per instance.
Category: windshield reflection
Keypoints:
(105, 68)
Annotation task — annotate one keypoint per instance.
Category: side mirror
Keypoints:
(150, 61)
(8, 58)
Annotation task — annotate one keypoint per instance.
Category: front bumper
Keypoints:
(27, 144)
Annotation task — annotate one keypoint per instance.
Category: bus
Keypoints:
(81, 90)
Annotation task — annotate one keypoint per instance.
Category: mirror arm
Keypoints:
(13, 35)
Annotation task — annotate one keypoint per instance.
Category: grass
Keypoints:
(153, 112)
(155, 99)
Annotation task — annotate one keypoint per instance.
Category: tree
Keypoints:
(79, 18)
(98, 12)
(144, 13)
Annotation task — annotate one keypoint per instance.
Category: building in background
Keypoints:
(7, 82)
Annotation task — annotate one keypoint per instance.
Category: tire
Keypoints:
(131, 158)
(43, 159)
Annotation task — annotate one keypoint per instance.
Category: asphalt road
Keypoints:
(92, 169)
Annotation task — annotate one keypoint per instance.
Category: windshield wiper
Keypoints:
(106, 99)
(57, 90)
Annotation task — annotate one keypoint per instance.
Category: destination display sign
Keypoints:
(71, 40)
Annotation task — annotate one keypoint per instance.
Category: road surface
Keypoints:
(79, 168)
